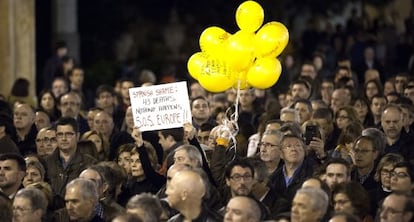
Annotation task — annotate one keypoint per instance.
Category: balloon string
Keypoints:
(230, 124)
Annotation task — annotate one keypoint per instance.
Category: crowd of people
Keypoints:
(322, 145)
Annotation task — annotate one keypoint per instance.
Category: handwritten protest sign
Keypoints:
(160, 106)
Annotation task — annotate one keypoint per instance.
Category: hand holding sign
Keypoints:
(137, 136)
(160, 106)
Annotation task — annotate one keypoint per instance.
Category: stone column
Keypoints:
(17, 43)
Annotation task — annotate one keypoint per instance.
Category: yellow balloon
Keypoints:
(241, 81)
(196, 63)
(216, 76)
(271, 40)
(212, 38)
(249, 16)
(239, 50)
(264, 73)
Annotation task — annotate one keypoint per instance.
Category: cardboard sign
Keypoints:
(160, 106)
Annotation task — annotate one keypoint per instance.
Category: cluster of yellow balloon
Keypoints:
(245, 59)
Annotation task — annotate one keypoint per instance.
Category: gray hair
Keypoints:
(192, 152)
(291, 111)
(319, 198)
(380, 140)
(87, 188)
(149, 203)
(36, 197)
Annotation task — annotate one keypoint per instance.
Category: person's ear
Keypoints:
(184, 195)
(105, 187)
(38, 212)
(227, 182)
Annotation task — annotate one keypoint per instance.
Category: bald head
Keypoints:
(185, 191)
(191, 182)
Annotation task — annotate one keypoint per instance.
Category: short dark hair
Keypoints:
(206, 127)
(304, 101)
(241, 162)
(67, 121)
(323, 113)
(104, 88)
(21, 163)
(176, 133)
(356, 193)
(409, 166)
(340, 161)
(197, 98)
(302, 82)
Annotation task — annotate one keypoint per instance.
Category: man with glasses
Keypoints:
(296, 168)
(397, 207)
(66, 162)
(364, 155)
(270, 150)
(46, 142)
(29, 205)
(239, 177)
(402, 178)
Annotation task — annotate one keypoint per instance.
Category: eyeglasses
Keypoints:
(238, 177)
(267, 145)
(362, 151)
(400, 175)
(385, 172)
(21, 209)
(47, 140)
(66, 134)
(292, 146)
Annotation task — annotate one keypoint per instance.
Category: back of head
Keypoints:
(380, 138)
(87, 188)
(318, 197)
(148, 204)
(176, 133)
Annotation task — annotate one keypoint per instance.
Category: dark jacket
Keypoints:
(111, 209)
(62, 215)
(59, 176)
(27, 145)
(402, 146)
(277, 180)
(206, 215)
(8, 146)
